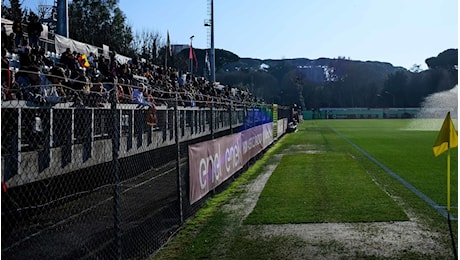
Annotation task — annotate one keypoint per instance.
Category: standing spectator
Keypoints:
(34, 30)
(4, 37)
(18, 32)
(6, 76)
(25, 58)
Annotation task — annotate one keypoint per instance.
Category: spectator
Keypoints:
(68, 60)
(91, 60)
(18, 32)
(6, 77)
(4, 37)
(28, 80)
(81, 87)
(141, 96)
(24, 56)
(50, 86)
(34, 30)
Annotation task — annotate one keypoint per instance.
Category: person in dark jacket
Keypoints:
(34, 30)
(18, 32)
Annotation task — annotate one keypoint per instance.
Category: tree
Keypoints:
(14, 11)
(447, 59)
(99, 22)
(394, 88)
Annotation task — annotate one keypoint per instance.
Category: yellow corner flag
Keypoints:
(447, 137)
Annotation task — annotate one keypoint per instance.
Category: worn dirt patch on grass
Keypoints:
(339, 240)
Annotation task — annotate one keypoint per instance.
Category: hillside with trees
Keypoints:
(342, 82)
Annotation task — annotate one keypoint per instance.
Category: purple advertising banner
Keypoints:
(213, 162)
(254, 140)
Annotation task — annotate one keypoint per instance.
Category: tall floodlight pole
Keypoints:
(62, 12)
(212, 55)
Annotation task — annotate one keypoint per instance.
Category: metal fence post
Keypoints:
(253, 123)
(212, 118)
(231, 116)
(178, 172)
(116, 172)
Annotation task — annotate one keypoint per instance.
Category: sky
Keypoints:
(401, 32)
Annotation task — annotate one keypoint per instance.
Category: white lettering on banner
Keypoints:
(210, 164)
(231, 155)
(216, 170)
(252, 142)
(210, 168)
(213, 162)
(202, 173)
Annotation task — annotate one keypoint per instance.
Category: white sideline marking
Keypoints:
(440, 209)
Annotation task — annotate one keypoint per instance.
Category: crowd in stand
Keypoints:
(87, 79)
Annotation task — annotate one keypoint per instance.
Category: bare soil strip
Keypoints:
(339, 240)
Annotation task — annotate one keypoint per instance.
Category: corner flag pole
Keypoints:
(454, 249)
(447, 139)
(448, 179)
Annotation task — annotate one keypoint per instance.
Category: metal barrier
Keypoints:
(105, 182)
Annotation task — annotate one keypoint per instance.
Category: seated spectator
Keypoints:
(50, 86)
(28, 80)
(68, 60)
(75, 89)
(101, 92)
(128, 95)
(139, 97)
(120, 93)
(44, 58)
(92, 60)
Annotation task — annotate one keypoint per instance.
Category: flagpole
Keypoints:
(166, 58)
(448, 203)
(447, 135)
(191, 55)
(167, 50)
(448, 178)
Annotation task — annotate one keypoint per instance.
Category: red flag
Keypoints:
(196, 61)
(190, 53)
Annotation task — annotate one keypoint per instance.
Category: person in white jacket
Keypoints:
(50, 85)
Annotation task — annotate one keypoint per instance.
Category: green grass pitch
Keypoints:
(323, 178)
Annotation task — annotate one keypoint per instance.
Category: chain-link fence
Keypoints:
(104, 179)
